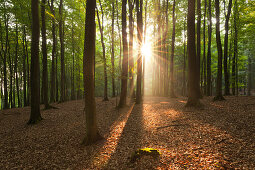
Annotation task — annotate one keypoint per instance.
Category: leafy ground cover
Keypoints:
(221, 135)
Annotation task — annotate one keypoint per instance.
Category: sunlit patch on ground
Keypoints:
(112, 139)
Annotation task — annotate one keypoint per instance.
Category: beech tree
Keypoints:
(139, 10)
(45, 63)
(193, 81)
(226, 70)
(35, 115)
(209, 77)
(92, 134)
(172, 94)
(130, 47)
(112, 52)
(219, 47)
(62, 50)
(124, 73)
(53, 70)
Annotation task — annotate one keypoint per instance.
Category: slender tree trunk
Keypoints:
(172, 94)
(204, 53)
(199, 42)
(45, 62)
(226, 73)
(193, 81)
(6, 104)
(57, 94)
(101, 27)
(160, 55)
(184, 87)
(72, 76)
(219, 47)
(62, 94)
(117, 10)
(234, 77)
(236, 40)
(92, 134)
(158, 43)
(139, 9)
(124, 73)
(166, 88)
(24, 69)
(28, 73)
(53, 74)
(112, 52)
(35, 115)
(16, 65)
(144, 40)
(209, 77)
(11, 76)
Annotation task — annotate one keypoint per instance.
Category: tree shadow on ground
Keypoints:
(129, 141)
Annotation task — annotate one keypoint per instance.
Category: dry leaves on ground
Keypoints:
(221, 135)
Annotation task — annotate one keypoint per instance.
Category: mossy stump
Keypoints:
(144, 152)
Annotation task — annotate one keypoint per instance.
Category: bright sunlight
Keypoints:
(147, 51)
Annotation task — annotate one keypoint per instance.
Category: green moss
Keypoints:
(145, 151)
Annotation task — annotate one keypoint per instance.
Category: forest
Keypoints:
(131, 84)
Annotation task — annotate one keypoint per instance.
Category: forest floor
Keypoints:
(219, 136)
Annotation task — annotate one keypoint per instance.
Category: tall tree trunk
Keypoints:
(193, 81)
(16, 65)
(53, 73)
(144, 40)
(11, 75)
(92, 134)
(6, 104)
(112, 52)
(234, 77)
(204, 52)
(117, 10)
(62, 90)
(199, 41)
(226, 73)
(124, 73)
(209, 76)
(35, 115)
(72, 76)
(172, 94)
(219, 47)
(24, 69)
(57, 94)
(184, 86)
(158, 46)
(45, 62)
(160, 55)
(139, 9)
(101, 27)
(166, 88)
(28, 74)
